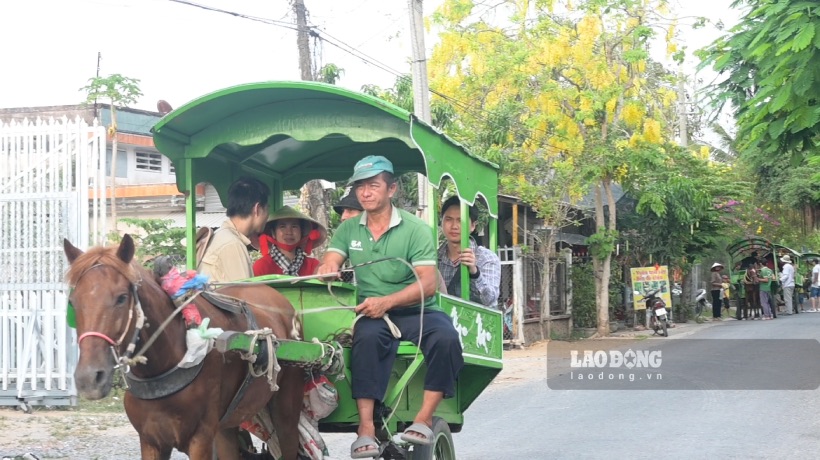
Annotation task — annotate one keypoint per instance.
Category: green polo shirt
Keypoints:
(407, 238)
(766, 272)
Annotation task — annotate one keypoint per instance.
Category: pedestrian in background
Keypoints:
(814, 289)
(766, 276)
(717, 285)
(787, 282)
(727, 294)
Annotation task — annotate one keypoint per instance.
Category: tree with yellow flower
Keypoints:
(546, 86)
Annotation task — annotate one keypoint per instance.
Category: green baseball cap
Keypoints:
(369, 166)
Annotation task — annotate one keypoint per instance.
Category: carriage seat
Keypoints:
(407, 350)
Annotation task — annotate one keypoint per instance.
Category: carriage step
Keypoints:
(306, 354)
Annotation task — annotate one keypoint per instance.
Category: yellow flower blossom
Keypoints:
(632, 115)
(652, 131)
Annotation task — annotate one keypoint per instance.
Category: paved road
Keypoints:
(531, 421)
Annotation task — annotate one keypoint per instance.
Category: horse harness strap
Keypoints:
(163, 385)
(178, 377)
(237, 306)
(124, 361)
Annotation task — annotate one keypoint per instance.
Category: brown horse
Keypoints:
(110, 292)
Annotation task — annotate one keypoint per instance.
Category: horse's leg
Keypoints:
(149, 451)
(285, 408)
(225, 444)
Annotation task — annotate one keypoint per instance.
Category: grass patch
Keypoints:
(78, 425)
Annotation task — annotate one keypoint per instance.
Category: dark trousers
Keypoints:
(716, 303)
(374, 351)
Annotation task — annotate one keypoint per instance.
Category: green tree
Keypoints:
(119, 91)
(677, 220)
(401, 94)
(572, 91)
(156, 237)
(330, 73)
(771, 83)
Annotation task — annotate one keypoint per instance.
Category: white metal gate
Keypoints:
(512, 294)
(52, 185)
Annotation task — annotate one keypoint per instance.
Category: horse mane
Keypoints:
(101, 256)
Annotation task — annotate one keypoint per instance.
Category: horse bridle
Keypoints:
(124, 361)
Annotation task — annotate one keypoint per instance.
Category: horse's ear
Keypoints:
(126, 250)
(71, 252)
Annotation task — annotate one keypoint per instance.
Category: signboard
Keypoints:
(646, 279)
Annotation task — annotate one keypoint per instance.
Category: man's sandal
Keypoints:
(423, 434)
(368, 442)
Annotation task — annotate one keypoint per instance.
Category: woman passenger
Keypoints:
(286, 243)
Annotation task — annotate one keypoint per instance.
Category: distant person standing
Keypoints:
(787, 282)
(814, 290)
(727, 294)
(716, 285)
(766, 276)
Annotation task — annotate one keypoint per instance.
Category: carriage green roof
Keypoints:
(287, 133)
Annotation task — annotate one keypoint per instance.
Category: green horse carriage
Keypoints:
(743, 252)
(288, 133)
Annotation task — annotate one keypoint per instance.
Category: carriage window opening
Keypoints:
(149, 161)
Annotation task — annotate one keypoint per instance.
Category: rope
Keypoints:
(273, 367)
(295, 279)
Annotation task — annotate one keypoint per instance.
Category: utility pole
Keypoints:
(421, 93)
(303, 39)
(312, 198)
(687, 295)
(684, 133)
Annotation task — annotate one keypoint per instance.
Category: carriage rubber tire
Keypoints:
(441, 447)
(664, 325)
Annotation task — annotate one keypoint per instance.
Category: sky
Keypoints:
(180, 52)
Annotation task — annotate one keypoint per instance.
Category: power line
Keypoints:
(284, 24)
(323, 35)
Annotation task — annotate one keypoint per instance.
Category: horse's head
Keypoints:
(103, 283)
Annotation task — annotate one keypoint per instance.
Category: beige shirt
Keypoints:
(227, 258)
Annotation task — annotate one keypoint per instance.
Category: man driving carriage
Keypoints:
(390, 291)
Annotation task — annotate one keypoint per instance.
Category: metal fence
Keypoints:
(520, 293)
(511, 294)
(533, 277)
(51, 187)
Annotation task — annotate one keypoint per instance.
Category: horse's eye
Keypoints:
(122, 298)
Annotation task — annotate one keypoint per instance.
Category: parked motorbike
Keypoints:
(677, 290)
(702, 302)
(658, 316)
